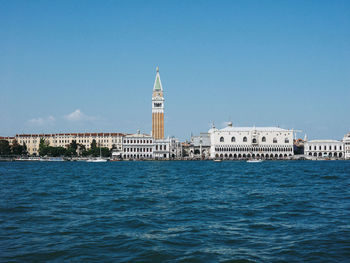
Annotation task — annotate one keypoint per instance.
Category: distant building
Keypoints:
(200, 146)
(175, 148)
(9, 139)
(324, 149)
(187, 149)
(251, 142)
(108, 140)
(346, 141)
(138, 146)
(162, 149)
(298, 145)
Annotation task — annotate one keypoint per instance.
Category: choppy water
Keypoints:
(175, 212)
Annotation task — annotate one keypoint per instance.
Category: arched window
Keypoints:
(286, 140)
(254, 140)
(274, 140)
(233, 139)
(244, 139)
(221, 139)
(263, 139)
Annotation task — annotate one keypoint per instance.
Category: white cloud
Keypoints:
(42, 121)
(77, 115)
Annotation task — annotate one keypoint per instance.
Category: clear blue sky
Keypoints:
(90, 65)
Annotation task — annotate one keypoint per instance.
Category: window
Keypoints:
(286, 140)
(254, 140)
(233, 139)
(221, 139)
(263, 139)
(244, 139)
(274, 140)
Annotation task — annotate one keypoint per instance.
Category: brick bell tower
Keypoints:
(157, 109)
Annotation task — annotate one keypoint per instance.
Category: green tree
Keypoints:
(5, 148)
(72, 149)
(43, 147)
(73, 145)
(16, 148)
(93, 144)
(24, 150)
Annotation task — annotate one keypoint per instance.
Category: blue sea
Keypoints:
(193, 211)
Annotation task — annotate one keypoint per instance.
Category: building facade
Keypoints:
(251, 142)
(346, 141)
(324, 149)
(175, 148)
(138, 146)
(141, 146)
(199, 146)
(158, 109)
(108, 140)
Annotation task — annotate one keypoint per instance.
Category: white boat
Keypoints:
(98, 159)
(217, 160)
(254, 161)
(51, 159)
(55, 159)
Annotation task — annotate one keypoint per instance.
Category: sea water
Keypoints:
(193, 211)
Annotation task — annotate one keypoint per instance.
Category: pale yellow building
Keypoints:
(32, 141)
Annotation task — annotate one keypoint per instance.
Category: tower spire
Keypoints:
(157, 83)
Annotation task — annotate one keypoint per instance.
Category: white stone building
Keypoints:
(138, 146)
(346, 141)
(200, 146)
(175, 148)
(251, 142)
(324, 149)
(162, 149)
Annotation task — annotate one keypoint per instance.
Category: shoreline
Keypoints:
(14, 159)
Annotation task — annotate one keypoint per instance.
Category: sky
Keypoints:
(90, 66)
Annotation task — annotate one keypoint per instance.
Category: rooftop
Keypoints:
(323, 141)
(260, 129)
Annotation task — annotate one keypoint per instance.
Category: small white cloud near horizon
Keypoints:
(78, 115)
(42, 121)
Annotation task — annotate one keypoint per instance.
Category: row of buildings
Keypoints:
(227, 143)
(262, 142)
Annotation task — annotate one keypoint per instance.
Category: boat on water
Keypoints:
(27, 159)
(51, 159)
(98, 159)
(254, 161)
(217, 160)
